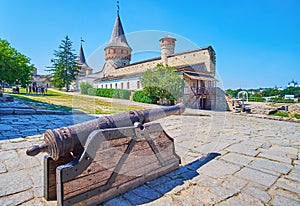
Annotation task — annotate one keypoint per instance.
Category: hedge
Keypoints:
(110, 93)
(121, 94)
(141, 96)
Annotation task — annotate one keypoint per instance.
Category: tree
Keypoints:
(163, 82)
(233, 93)
(14, 66)
(64, 67)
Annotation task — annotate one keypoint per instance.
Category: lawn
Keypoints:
(60, 101)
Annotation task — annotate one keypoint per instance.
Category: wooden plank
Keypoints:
(133, 162)
(129, 185)
(110, 156)
(82, 185)
(136, 157)
(50, 174)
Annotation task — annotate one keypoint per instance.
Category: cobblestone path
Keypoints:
(227, 159)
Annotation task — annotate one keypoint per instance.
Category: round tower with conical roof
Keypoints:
(167, 47)
(118, 50)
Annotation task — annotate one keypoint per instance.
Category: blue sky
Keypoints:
(257, 42)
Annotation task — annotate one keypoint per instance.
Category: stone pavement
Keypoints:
(227, 159)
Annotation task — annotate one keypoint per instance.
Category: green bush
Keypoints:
(105, 92)
(256, 98)
(280, 114)
(297, 116)
(84, 86)
(113, 93)
(121, 94)
(141, 96)
(92, 91)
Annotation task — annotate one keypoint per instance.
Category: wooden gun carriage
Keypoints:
(94, 161)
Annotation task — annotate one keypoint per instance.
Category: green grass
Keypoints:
(60, 101)
(280, 114)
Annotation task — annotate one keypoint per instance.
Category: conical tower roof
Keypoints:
(81, 57)
(118, 38)
(82, 62)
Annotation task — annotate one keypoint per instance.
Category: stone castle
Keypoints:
(198, 68)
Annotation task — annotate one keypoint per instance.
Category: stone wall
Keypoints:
(221, 101)
(180, 59)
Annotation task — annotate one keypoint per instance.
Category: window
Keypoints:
(110, 85)
(114, 51)
(101, 85)
(121, 51)
(128, 85)
(122, 85)
(116, 85)
(108, 51)
(138, 84)
(106, 86)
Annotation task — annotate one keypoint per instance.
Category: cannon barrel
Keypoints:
(62, 141)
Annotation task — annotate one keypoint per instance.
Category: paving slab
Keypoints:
(259, 194)
(271, 165)
(258, 175)
(219, 169)
(17, 199)
(14, 182)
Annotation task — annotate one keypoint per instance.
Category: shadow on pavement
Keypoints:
(155, 189)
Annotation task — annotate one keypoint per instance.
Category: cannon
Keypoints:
(61, 141)
(94, 161)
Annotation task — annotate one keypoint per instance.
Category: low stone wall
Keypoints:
(266, 108)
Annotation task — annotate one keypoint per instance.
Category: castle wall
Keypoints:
(192, 58)
(177, 60)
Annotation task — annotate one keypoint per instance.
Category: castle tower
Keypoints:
(167, 46)
(118, 51)
(85, 69)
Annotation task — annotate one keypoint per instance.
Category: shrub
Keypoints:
(92, 91)
(84, 86)
(113, 93)
(297, 116)
(121, 94)
(105, 92)
(280, 114)
(256, 98)
(141, 96)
